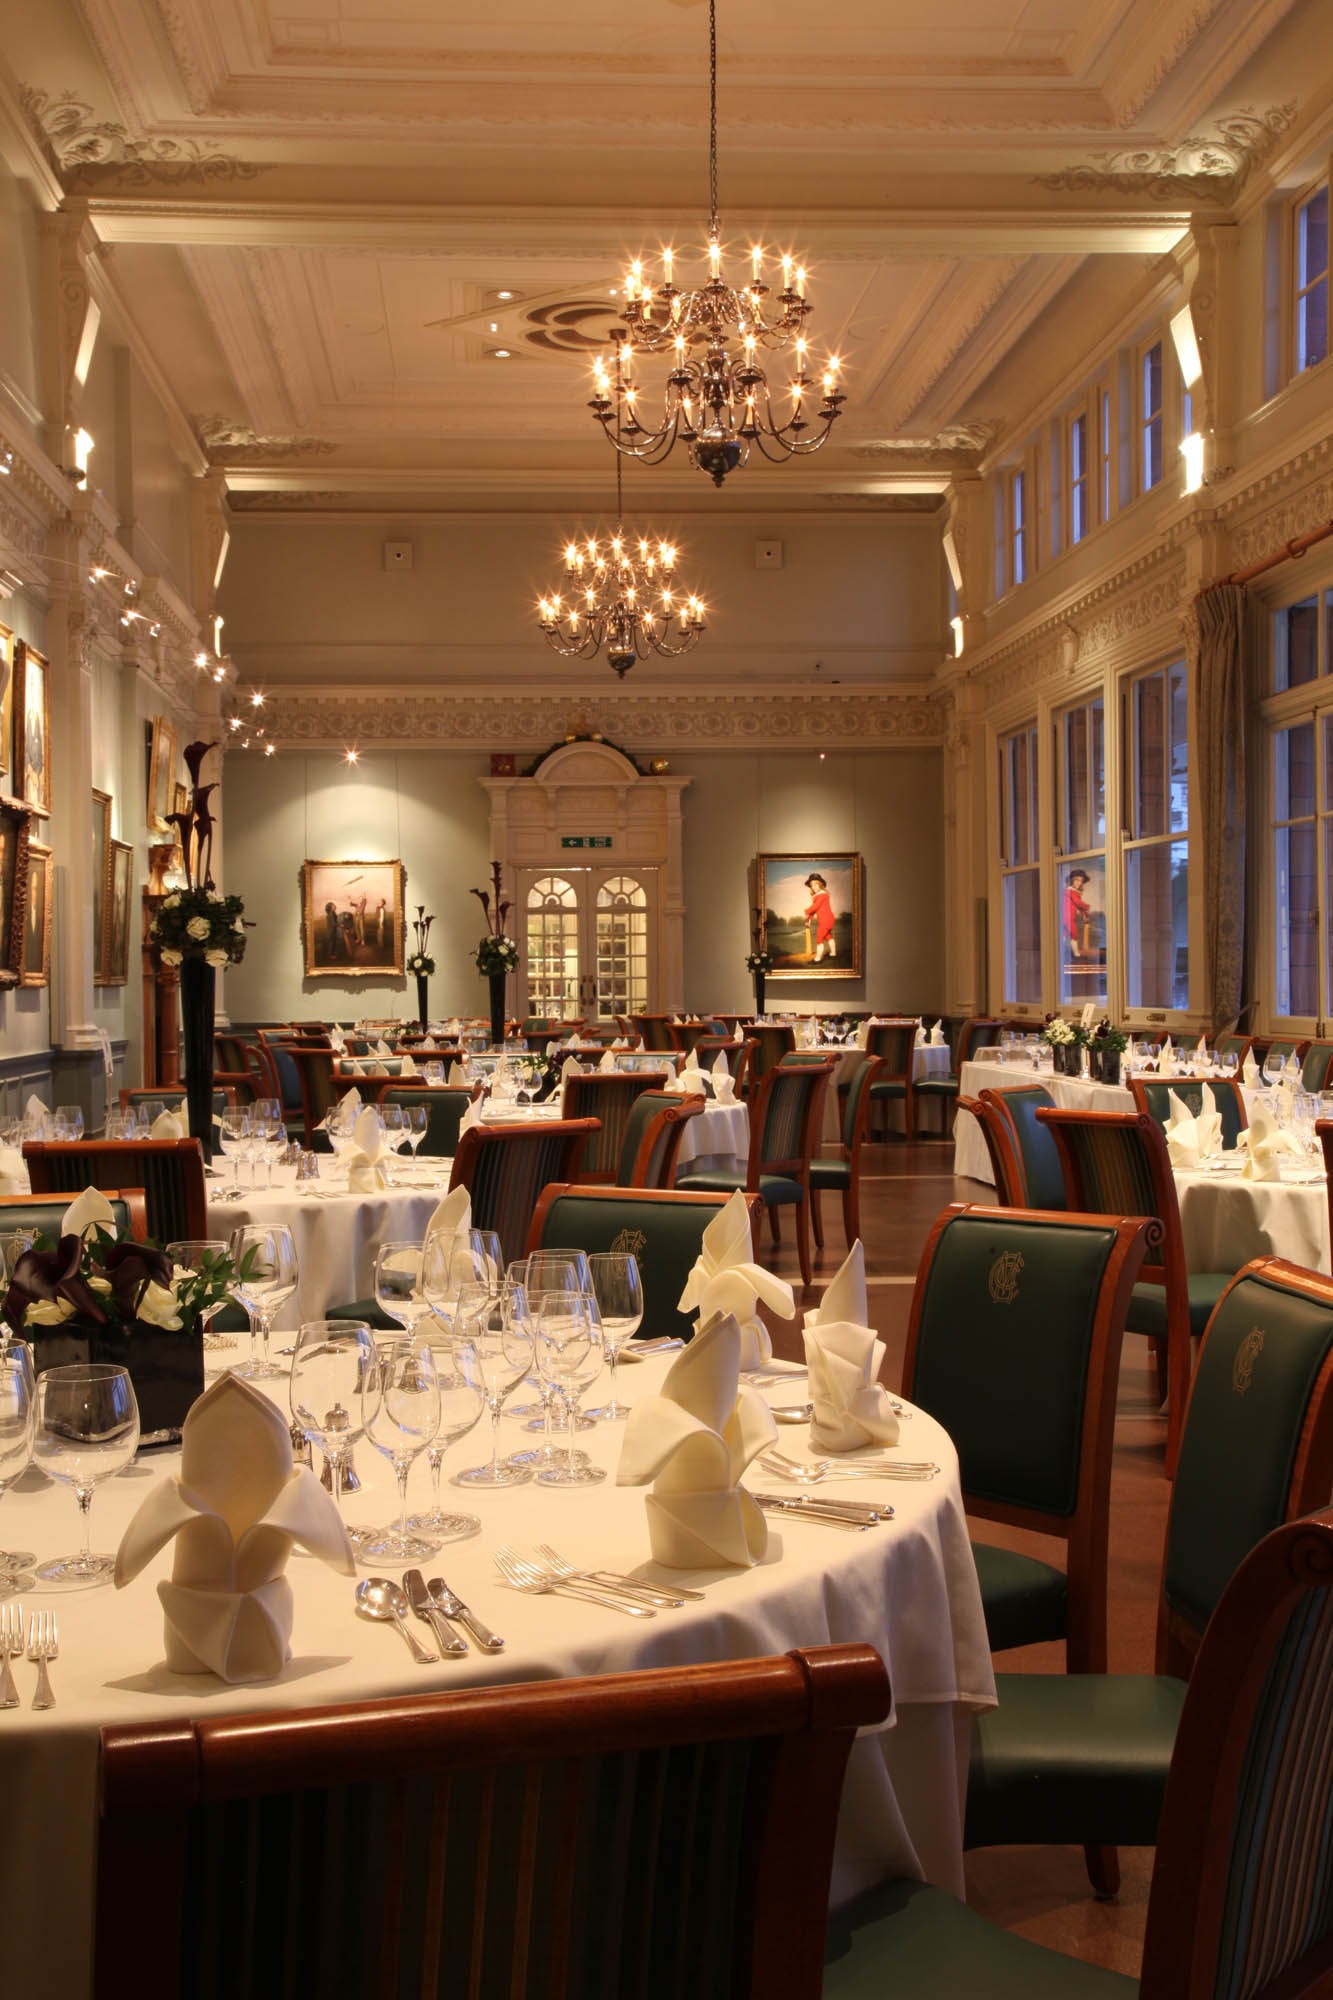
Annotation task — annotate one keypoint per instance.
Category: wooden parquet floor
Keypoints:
(1042, 1892)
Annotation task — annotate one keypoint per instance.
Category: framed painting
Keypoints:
(35, 963)
(161, 774)
(14, 822)
(811, 907)
(32, 729)
(352, 919)
(6, 709)
(115, 954)
(101, 867)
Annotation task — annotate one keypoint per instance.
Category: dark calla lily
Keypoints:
(195, 754)
(47, 1275)
(131, 1268)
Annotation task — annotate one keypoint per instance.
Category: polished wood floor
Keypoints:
(1042, 1892)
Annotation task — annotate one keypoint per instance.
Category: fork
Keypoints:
(535, 1582)
(11, 1648)
(609, 1579)
(809, 1472)
(43, 1646)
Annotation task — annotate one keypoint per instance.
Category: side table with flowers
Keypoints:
(420, 963)
(496, 954)
(1065, 1041)
(1106, 1049)
(198, 930)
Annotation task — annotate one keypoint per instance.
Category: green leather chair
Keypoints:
(661, 1226)
(1034, 1159)
(1315, 1066)
(1240, 1900)
(974, 1034)
(444, 1113)
(843, 1176)
(651, 1144)
(784, 1132)
(27, 1211)
(170, 1172)
(1153, 1095)
(1233, 1045)
(609, 1097)
(1084, 1757)
(893, 1046)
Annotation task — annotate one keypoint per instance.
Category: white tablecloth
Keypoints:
(1226, 1220)
(336, 1233)
(926, 1062)
(1069, 1093)
(909, 1588)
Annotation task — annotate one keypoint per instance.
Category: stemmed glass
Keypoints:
(400, 1406)
(266, 1277)
(569, 1353)
(1274, 1064)
(618, 1290)
(415, 1120)
(18, 1400)
(329, 1365)
(67, 1122)
(461, 1404)
(493, 1350)
(234, 1138)
(400, 1291)
(87, 1432)
(200, 1256)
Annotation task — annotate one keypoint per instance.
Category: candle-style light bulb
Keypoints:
(757, 259)
(714, 257)
(786, 272)
(668, 260)
(800, 281)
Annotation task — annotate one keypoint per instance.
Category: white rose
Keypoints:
(215, 957)
(198, 927)
(171, 957)
(239, 924)
(159, 1308)
(48, 1312)
(172, 903)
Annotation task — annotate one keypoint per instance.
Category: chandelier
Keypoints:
(717, 400)
(622, 600)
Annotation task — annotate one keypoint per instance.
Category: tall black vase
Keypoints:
(759, 993)
(198, 981)
(497, 986)
(421, 999)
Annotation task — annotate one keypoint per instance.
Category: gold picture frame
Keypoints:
(352, 919)
(32, 729)
(101, 870)
(115, 951)
(811, 905)
(162, 750)
(6, 709)
(35, 953)
(15, 821)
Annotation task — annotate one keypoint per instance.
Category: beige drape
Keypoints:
(1221, 793)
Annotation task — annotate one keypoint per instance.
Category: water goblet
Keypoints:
(234, 1139)
(87, 1431)
(618, 1289)
(569, 1351)
(266, 1277)
(200, 1258)
(400, 1404)
(461, 1404)
(329, 1365)
(492, 1348)
(395, 1132)
(67, 1122)
(18, 1403)
(1274, 1063)
(400, 1292)
(415, 1121)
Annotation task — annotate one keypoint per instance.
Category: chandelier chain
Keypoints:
(712, 117)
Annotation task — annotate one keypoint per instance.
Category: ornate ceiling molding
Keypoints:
(1209, 166)
(953, 444)
(86, 149)
(230, 443)
(310, 718)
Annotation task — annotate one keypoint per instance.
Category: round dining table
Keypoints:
(908, 1586)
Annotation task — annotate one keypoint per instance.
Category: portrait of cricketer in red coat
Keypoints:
(812, 914)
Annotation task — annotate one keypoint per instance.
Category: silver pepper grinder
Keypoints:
(337, 1419)
(301, 1453)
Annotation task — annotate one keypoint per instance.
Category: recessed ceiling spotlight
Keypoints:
(352, 756)
(495, 326)
(269, 749)
(502, 354)
(504, 295)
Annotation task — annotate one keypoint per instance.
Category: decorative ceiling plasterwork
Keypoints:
(85, 149)
(230, 443)
(1210, 167)
(953, 444)
(311, 718)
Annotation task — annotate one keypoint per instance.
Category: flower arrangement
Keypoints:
(495, 952)
(1108, 1040)
(92, 1275)
(420, 962)
(196, 922)
(759, 961)
(1059, 1033)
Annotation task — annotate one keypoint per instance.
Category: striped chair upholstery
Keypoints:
(892, 1044)
(1233, 1045)
(784, 1131)
(608, 1096)
(314, 1069)
(1281, 1045)
(170, 1172)
(171, 1097)
(653, 1132)
(26, 1211)
(505, 1167)
(490, 1840)
(1116, 1163)
(1315, 1066)
(1040, 1180)
(654, 1031)
(1241, 1903)
(444, 1112)
(1154, 1096)
(843, 1175)
(772, 1041)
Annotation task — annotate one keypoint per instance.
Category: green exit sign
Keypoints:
(599, 840)
(585, 840)
(572, 840)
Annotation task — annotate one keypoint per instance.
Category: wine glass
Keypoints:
(395, 1132)
(400, 1292)
(67, 1122)
(492, 1347)
(569, 1350)
(329, 1364)
(415, 1120)
(234, 1138)
(266, 1277)
(461, 1404)
(1274, 1063)
(618, 1290)
(87, 1432)
(18, 1402)
(268, 1131)
(200, 1257)
(400, 1409)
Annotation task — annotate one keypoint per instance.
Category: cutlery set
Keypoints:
(873, 1465)
(609, 1588)
(40, 1646)
(438, 1608)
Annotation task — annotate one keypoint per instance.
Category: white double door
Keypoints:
(590, 938)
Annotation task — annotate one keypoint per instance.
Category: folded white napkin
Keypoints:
(571, 1066)
(863, 1034)
(693, 1441)
(457, 1078)
(1190, 1140)
(13, 1171)
(471, 1117)
(88, 1211)
(724, 1088)
(36, 1119)
(608, 1060)
(349, 1106)
(367, 1161)
(724, 1278)
(452, 1218)
(1166, 1059)
(738, 1033)
(382, 1048)
(336, 1041)
(408, 1066)
(1291, 1071)
(167, 1125)
(235, 1510)
(1202, 1054)
(694, 1081)
(1264, 1145)
(937, 1035)
(843, 1360)
(1249, 1071)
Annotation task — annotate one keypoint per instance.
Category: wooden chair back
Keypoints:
(1006, 1174)
(445, 1109)
(654, 1031)
(653, 1134)
(772, 1041)
(1153, 1095)
(608, 1096)
(505, 1167)
(738, 1054)
(1038, 1177)
(28, 1211)
(170, 1172)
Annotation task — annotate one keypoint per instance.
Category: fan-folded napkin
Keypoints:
(692, 1442)
(1202, 1052)
(1166, 1059)
(571, 1066)
(13, 1171)
(1249, 1071)
(608, 1061)
(937, 1035)
(1189, 1140)
(724, 1087)
(167, 1125)
(738, 1033)
(36, 1119)
(382, 1048)
(367, 1161)
(724, 1278)
(457, 1076)
(235, 1510)
(843, 1360)
(694, 1081)
(408, 1067)
(471, 1118)
(1264, 1145)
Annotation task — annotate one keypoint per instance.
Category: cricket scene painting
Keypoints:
(811, 906)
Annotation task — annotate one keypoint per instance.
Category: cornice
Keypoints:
(1211, 166)
(314, 719)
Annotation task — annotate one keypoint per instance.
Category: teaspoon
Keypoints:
(376, 1597)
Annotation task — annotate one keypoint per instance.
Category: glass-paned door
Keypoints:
(589, 942)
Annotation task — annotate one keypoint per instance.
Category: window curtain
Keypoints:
(1220, 612)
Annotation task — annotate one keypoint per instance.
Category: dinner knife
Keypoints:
(851, 1512)
(421, 1601)
(454, 1607)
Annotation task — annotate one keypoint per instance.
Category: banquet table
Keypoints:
(927, 1060)
(908, 1587)
(1225, 1220)
(1069, 1093)
(718, 1137)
